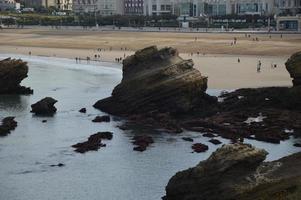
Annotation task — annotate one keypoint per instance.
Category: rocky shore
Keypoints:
(162, 90)
(238, 172)
(12, 72)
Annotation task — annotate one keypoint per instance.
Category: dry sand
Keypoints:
(217, 59)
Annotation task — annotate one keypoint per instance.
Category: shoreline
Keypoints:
(223, 70)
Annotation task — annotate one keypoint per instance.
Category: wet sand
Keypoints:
(217, 59)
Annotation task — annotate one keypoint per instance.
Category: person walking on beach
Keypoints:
(238, 60)
(259, 67)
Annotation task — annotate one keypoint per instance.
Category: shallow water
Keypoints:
(115, 172)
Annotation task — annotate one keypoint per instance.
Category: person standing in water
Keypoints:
(259, 67)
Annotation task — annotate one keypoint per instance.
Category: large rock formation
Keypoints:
(44, 106)
(12, 72)
(238, 172)
(157, 81)
(293, 66)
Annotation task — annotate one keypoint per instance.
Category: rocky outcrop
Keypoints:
(8, 124)
(157, 81)
(238, 172)
(44, 106)
(293, 65)
(93, 143)
(12, 72)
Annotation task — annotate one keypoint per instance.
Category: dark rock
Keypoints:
(199, 147)
(58, 165)
(44, 121)
(92, 144)
(215, 141)
(188, 139)
(83, 110)
(297, 145)
(293, 65)
(210, 135)
(12, 72)
(44, 106)
(238, 172)
(142, 142)
(8, 124)
(99, 119)
(157, 80)
(105, 135)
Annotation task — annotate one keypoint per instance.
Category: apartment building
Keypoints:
(133, 7)
(159, 7)
(102, 7)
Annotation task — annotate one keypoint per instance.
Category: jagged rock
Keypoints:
(92, 144)
(157, 80)
(83, 110)
(199, 147)
(44, 106)
(12, 72)
(104, 118)
(105, 135)
(293, 65)
(8, 124)
(238, 172)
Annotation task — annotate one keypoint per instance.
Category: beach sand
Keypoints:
(217, 59)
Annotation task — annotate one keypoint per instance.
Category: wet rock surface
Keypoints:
(293, 65)
(265, 114)
(12, 72)
(100, 119)
(142, 142)
(94, 142)
(7, 125)
(44, 106)
(199, 147)
(237, 172)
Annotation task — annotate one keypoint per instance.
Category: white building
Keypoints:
(64, 4)
(209, 7)
(9, 5)
(159, 7)
(102, 7)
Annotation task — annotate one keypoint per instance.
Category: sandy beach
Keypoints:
(212, 53)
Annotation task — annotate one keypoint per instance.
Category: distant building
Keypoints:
(288, 7)
(159, 7)
(102, 7)
(39, 3)
(133, 7)
(289, 23)
(63, 4)
(8, 5)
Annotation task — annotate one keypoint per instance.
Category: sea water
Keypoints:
(115, 172)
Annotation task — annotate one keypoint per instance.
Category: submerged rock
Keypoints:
(188, 139)
(157, 81)
(44, 106)
(199, 147)
(92, 144)
(8, 124)
(215, 141)
(104, 118)
(293, 65)
(142, 142)
(12, 72)
(83, 110)
(238, 172)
